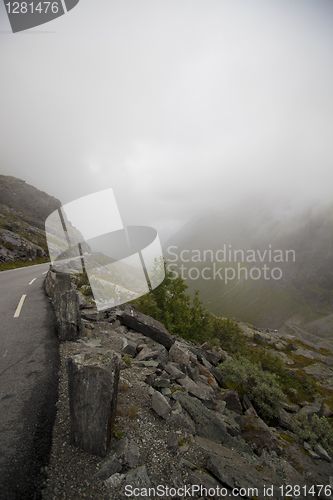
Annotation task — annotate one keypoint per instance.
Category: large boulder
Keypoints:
(146, 325)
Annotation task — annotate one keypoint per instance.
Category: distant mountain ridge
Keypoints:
(23, 210)
(301, 285)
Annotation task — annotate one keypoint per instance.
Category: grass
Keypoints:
(9, 264)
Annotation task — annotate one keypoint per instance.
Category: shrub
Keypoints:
(316, 430)
(127, 360)
(262, 387)
(119, 434)
(185, 316)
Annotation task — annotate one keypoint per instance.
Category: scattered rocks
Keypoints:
(183, 429)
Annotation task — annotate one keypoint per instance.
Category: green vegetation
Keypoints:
(187, 317)
(118, 434)
(318, 430)
(127, 360)
(262, 387)
(14, 264)
(256, 371)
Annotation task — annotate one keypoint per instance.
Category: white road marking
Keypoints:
(45, 272)
(32, 281)
(19, 307)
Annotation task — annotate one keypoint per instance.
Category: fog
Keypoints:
(181, 106)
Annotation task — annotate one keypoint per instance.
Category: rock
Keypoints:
(90, 315)
(201, 481)
(147, 325)
(311, 409)
(144, 354)
(321, 452)
(109, 468)
(258, 337)
(137, 478)
(212, 357)
(305, 353)
(160, 405)
(207, 376)
(215, 373)
(84, 303)
(55, 284)
(220, 406)
(69, 321)
(161, 382)
(207, 423)
(166, 391)
(129, 348)
(150, 379)
(284, 419)
(232, 421)
(282, 356)
(178, 419)
(232, 401)
(248, 406)
(234, 472)
(191, 370)
(254, 430)
(319, 371)
(93, 387)
(127, 452)
(174, 371)
(179, 353)
(173, 442)
(205, 393)
(114, 481)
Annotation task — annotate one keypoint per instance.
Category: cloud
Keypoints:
(180, 107)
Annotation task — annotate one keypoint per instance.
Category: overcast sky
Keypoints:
(180, 106)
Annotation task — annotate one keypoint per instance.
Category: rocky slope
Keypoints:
(178, 424)
(23, 210)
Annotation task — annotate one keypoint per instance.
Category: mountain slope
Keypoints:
(23, 210)
(259, 266)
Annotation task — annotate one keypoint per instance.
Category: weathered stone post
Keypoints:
(69, 325)
(93, 388)
(65, 303)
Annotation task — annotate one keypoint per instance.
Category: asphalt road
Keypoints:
(29, 358)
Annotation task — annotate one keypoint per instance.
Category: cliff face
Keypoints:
(23, 210)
